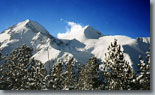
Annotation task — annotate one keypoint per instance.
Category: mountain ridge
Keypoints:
(81, 46)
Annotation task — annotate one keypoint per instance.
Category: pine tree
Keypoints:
(143, 78)
(117, 73)
(36, 76)
(70, 81)
(89, 76)
(56, 79)
(0, 53)
(14, 68)
(20, 72)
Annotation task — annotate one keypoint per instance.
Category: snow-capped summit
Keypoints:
(91, 33)
(29, 24)
(23, 33)
(80, 33)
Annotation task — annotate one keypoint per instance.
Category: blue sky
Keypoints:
(111, 17)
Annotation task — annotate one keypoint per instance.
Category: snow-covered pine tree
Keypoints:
(0, 53)
(14, 69)
(89, 76)
(36, 76)
(70, 81)
(56, 79)
(79, 68)
(143, 78)
(117, 73)
(15, 72)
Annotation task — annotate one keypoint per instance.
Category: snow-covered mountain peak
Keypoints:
(27, 32)
(80, 33)
(30, 25)
(23, 23)
(26, 26)
(91, 33)
(27, 21)
(24, 30)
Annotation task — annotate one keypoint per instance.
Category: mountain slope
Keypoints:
(27, 32)
(81, 45)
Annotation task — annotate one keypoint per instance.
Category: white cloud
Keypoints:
(74, 30)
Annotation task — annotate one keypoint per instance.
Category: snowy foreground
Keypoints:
(81, 44)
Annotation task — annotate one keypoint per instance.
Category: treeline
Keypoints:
(19, 71)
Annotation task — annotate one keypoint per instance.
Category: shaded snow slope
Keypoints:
(91, 33)
(79, 42)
